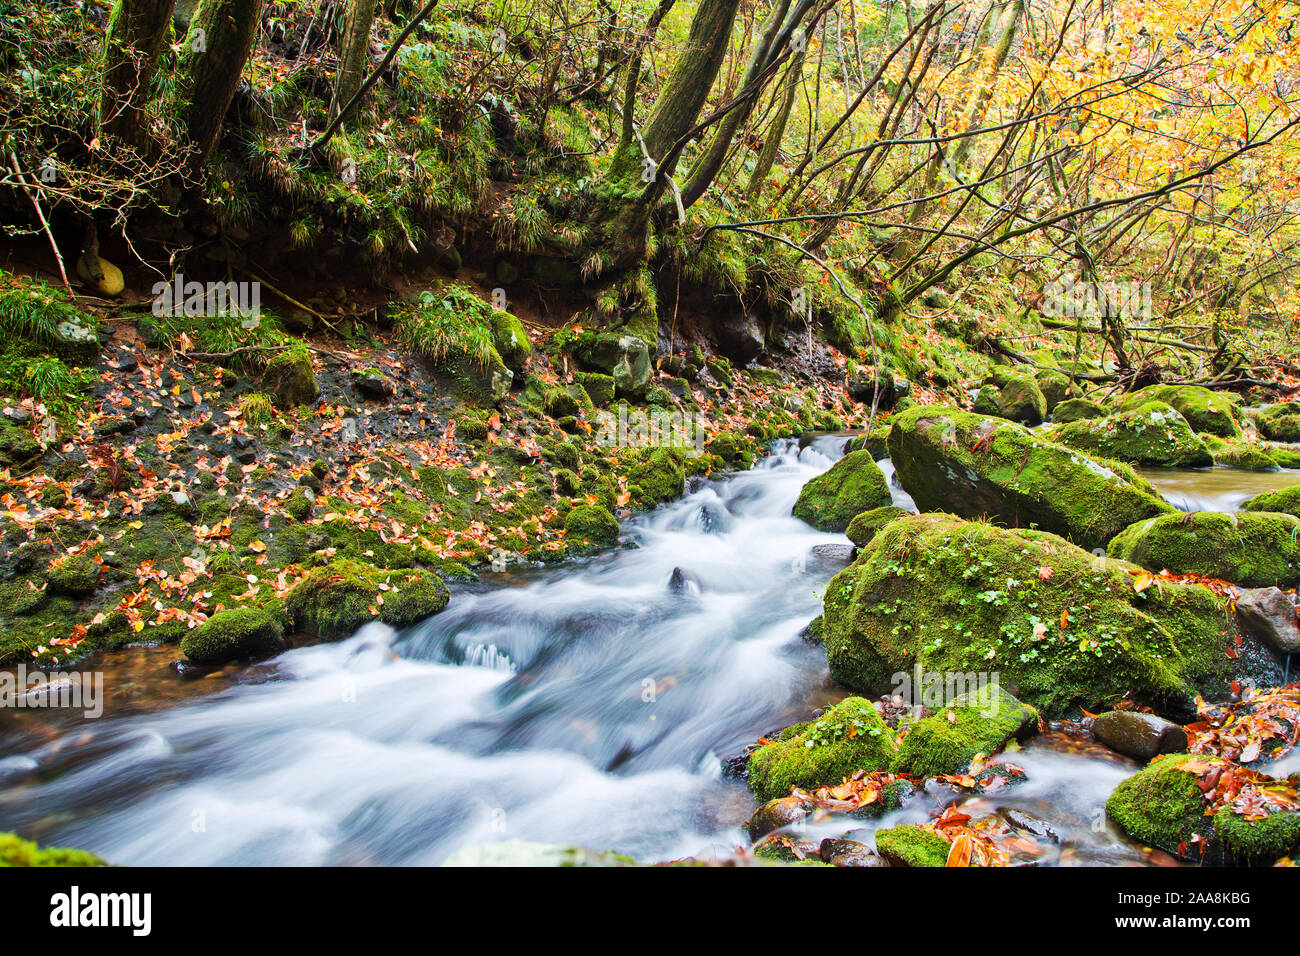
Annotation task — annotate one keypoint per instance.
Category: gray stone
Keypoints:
(1269, 614)
(1141, 736)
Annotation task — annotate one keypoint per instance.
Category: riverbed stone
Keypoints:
(1286, 501)
(335, 600)
(1208, 411)
(978, 466)
(1251, 548)
(239, 632)
(909, 845)
(821, 753)
(852, 485)
(775, 814)
(1138, 735)
(1022, 400)
(290, 379)
(849, 853)
(1269, 614)
(1063, 627)
(980, 722)
(1280, 422)
(1151, 434)
(1077, 410)
(864, 526)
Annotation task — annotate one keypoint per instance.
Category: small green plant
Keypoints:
(449, 320)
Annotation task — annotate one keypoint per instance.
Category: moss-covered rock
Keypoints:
(1055, 386)
(241, 632)
(1286, 501)
(852, 485)
(1077, 410)
(876, 442)
(1206, 411)
(1250, 548)
(909, 845)
(733, 448)
(480, 379)
(624, 357)
(1279, 422)
(1063, 627)
(988, 401)
(17, 445)
(1022, 400)
(850, 736)
(15, 851)
(976, 723)
(599, 386)
(510, 339)
(1151, 434)
(976, 466)
(864, 526)
(592, 524)
(1163, 806)
(335, 600)
(1235, 453)
(290, 379)
(659, 474)
(76, 574)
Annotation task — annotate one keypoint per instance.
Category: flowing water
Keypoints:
(593, 705)
(1216, 489)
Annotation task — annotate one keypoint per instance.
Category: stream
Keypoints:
(593, 705)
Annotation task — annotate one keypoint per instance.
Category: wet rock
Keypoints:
(114, 425)
(977, 723)
(373, 384)
(1151, 434)
(1250, 548)
(1269, 614)
(864, 526)
(227, 635)
(829, 558)
(854, 484)
(1137, 735)
(850, 853)
(909, 845)
(978, 466)
(1214, 413)
(625, 357)
(774, 815)
(683, 582)
(948, 596)
(1023, 820)
(1022, 400)
(741, 337)
(336, 599)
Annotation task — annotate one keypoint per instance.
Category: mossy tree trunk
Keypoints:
(776, 131)
(218, 43)
(132, 43)
(354, 53)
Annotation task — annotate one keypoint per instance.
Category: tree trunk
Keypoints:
(776, 131)
(132, 43)
(218, 43)
(354, 53)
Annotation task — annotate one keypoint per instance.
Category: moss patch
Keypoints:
(973, 724)
(852, 485)
(1253, 549)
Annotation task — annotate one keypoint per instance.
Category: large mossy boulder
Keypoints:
(1151, 434)
(1022, 400)
(975, 723)
(590, 524)
(1077, 410)
(1237, 453)
(1252, 548)
(335, 600)
(290, 379)
(1206, 411)
(510, 339)
(975, 466)
(240, 632)
(1062, 627)
(1055, 386)
(1164, 806)
(852, 485)
(1286, 501)
(1279, 422)
(480, 379)
(821, 753)
(659, 474)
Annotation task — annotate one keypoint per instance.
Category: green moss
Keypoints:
(988, 401)
(1286, 501)
(975, 466)
(597, 385)
(956, 597)
(1253, 842)
(299, 505)
(15, 851)
(659, 475)
(1250, 548)
(1280, 422)
(973, 724)
(591, 523)
(510, 339)
(335, 600)
(876, 442)
(732, 448)
(1022, 400)
(852, 485)
(290, 379)
(1234, 453)
(1151, 434)
(848, 737)
(241, 632)
(1162, 806)
(864, 526)
(1055, 386)
(908, 845)
(1077, 410)
(1206, 411)
(75, 574)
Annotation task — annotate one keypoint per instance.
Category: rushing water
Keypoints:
(591, 705)
(1216, 489)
